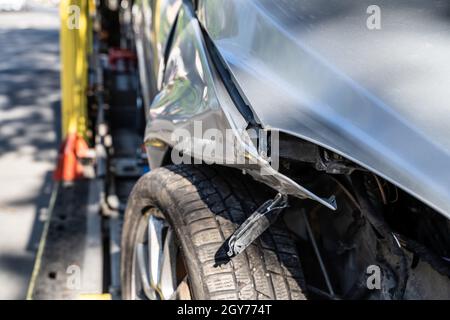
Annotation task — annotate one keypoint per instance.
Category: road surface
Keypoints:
(29, 120)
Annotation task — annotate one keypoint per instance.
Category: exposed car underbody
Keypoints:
(356, 118)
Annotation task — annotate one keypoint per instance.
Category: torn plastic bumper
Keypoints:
(256, 224)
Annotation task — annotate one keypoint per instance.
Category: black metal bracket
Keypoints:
(256, 224)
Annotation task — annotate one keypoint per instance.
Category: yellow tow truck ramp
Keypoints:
(99, 161)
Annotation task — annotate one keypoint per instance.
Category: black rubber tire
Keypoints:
(204, 205)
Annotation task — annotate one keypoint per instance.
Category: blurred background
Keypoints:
(29, 133)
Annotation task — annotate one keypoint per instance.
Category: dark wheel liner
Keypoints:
(204, 205)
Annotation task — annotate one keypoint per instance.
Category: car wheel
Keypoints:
(176, 222)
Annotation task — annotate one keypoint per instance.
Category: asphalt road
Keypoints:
(29, 126)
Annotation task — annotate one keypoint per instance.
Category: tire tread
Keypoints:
(210, 203)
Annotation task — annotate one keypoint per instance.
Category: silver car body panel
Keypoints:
(191, 91)
(315, 70)
(153, 22)
(377, 97)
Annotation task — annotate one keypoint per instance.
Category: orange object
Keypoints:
(117, 54)
(72, 150)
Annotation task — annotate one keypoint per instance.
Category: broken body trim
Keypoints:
(193, 90)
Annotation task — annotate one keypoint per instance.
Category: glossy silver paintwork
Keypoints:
(314, 70)
(378, 97)
(191, 91)
(153, 22)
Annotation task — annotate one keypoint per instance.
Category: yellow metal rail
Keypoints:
(76, 45)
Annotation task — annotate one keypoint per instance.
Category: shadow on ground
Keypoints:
(29, 136)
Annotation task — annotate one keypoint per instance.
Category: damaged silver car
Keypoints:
(298, 150)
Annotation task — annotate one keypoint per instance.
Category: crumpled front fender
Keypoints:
(193, 100)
